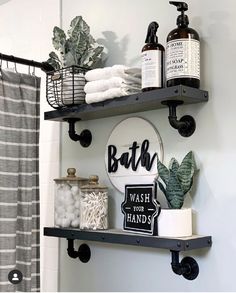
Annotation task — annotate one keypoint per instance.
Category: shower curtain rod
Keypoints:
(45, 66)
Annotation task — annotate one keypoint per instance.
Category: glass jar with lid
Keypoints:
(67, 199)
(94, 205)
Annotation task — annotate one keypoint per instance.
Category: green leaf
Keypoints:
(162, 188)
(92, 56)
(69, 59)
(174, 165)
(59, 39)
(79, 48)
(78, 25)
(163, 172)
(174, 192)
(54, 60)
(79, 37)
(186, 172)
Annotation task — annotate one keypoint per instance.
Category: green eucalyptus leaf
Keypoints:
(186, 172)
(174, 192)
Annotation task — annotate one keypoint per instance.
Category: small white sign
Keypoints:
(131, 153)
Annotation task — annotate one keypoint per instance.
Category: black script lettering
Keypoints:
(124, 160)
(133, 155)
(128, 160)
(145, 156)
(112, 167)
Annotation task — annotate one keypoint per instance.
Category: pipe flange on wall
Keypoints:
(85, 137)
(188, 267)
(186, 125)
(83, 253)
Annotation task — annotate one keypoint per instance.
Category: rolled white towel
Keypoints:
(113, 82)
(116, 70)
(109, 94)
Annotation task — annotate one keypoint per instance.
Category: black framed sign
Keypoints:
(140, 208)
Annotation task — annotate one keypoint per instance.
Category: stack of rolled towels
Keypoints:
(111, 82)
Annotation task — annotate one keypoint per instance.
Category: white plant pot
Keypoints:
(175, 222)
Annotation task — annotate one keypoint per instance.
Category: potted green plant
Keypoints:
(175, 182)
(77, 52)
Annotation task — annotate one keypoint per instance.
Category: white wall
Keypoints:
(121, 268)
(26, 31)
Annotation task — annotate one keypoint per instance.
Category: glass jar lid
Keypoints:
(93, 184)
(71, 177)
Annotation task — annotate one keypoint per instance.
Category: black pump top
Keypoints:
(182, 19)
(151, 33)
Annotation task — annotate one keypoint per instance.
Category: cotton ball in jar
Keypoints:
(68, 195)
(70, 208)
(66, 187)
(77, 204)
(60, 196)
(58, 222)
(70, 216)
(75, 223)
(60, 210)
(77, 212)
(75, 190)
(70, 202)
(65, 223)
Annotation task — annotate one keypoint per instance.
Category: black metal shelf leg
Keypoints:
(85, 137)
(83, 252)
(188, 267)
(186, 125)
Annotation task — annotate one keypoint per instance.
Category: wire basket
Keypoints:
(65, 87)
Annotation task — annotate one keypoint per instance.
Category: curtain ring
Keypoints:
(15, 65)
(33, 73)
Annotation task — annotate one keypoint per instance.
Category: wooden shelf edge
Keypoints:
(128, 238)
(143, 101)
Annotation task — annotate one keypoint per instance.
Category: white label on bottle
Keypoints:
(151, 68)
(183, 59)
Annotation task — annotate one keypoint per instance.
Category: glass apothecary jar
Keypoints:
(67, 199)
(94, 205)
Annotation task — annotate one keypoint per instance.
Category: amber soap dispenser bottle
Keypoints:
(182, 52)
(152, 60)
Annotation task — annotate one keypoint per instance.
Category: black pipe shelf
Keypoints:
(187, 267)
(116, 236)
(140, 102)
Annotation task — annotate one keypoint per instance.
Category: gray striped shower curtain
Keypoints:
(19, 180)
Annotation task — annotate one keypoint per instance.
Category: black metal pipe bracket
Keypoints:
(188, 267)
(83, 252)
(186, 125)
(85, 137)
